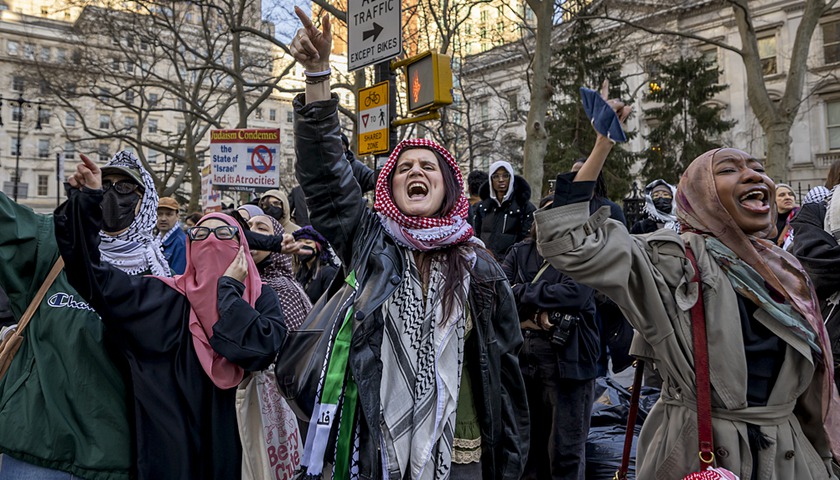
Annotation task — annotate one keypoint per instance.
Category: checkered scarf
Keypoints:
(278, 275)
(422, 233)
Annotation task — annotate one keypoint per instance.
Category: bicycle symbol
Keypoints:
(372, 98)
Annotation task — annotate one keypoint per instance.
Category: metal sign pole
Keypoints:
(383, 72)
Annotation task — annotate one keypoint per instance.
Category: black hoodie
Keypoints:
(500, 226)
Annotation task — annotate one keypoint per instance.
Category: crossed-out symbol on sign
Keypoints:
(261, 159)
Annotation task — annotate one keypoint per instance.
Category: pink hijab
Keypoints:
(199, 285)
(699, 210)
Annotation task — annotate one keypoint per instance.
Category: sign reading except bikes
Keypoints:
(373, 119)
(245, 159)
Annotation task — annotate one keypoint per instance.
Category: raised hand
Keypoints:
(622, 110)
(238, 268)
(311, 47)
(289, 246)
(88, 174)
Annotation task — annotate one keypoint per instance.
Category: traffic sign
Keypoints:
(373, 120)
(374, 31)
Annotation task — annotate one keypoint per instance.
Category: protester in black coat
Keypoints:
(505, 213)
(819, 253)
(560, 379)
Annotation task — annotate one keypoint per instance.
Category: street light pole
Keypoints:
(21, 102)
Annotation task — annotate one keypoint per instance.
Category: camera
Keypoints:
(564, 324)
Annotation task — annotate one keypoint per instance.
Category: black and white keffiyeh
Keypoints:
(668, 219)
(422, 357)
(136, 250)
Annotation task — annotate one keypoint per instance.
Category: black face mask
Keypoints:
(118, 210)
(663, 205)
(275, 212)
(306, 254)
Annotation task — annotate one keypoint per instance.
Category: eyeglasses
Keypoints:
(501, 176)
(123, 187)
(223, 232)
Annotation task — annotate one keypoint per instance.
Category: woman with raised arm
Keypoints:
(188, 339)
(432, 355)
(774, 408)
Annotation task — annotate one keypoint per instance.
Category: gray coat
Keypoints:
(648, 276)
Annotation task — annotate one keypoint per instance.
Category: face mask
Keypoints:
(306, 254)
(118, 210)
(663, 205)
(275, 212)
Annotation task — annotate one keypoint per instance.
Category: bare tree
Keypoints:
(775, 117)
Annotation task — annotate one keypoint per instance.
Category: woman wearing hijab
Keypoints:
(276, 271)
(434, 324)
(248, 211)
(660, 208)
(188, 339)
(313, 264)
(774, 405)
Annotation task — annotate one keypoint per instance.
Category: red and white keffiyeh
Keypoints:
(422, 233)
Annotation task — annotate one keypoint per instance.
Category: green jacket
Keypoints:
(63, 400)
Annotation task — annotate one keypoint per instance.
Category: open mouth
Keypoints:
(417, 190)
(755, 200)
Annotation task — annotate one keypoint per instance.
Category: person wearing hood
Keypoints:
(505, 213)
(188, 340)
(249, 211)
(313, 264)
(660, 208)
(64, 409)
(275, 204)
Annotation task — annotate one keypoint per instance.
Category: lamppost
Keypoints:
(21, 103)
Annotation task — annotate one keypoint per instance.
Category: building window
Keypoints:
(29, 51)
(129, 97)
(272, 114)
(104, 94)
(153, 99)
(18, 84)
(61, 55)
(483, 111)
(290, 116)
(43, 185)
(129, 67)
(181, 128)
(152, 157)
(17, 113)
(103, 152)
(831, 42)
(46, 54)
(258, 113)
(711, 58)
(44, 116)
(70, 119)
(153, 125)
(767, 54)
(14, 144)
(69, 150)
(513, 106)
(104, 121)
(12, 47)
(43, 148)
(833, 124)
(130, 122)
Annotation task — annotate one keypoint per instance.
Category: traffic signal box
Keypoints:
(429, 79)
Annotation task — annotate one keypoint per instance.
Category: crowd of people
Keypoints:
(470, 325)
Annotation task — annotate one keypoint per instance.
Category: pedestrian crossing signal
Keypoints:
(429, 82)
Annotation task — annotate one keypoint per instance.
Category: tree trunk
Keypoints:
(778, 150)
(536, 136)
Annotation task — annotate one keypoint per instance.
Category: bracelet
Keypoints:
(316, 80)
(325, 73)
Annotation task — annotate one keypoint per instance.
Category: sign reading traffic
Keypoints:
(245, 159)
(374, 31)
(374, 121)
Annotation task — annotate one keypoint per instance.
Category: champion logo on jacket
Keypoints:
(65, 300)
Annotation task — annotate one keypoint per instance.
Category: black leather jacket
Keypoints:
(338, 211)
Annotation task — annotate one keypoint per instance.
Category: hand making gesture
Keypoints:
(311, 47)
(88, 174)
(603, 145)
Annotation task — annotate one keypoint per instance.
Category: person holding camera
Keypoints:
(558, 360)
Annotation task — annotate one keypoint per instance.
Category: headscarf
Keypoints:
(199, 284)
(136, 250)
(252, 210)
(816, 195)
(422, 233)
(509, 169)
(669, 219)
(278, 275)
(700, 211)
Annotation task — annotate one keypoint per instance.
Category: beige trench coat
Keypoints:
(648, 277)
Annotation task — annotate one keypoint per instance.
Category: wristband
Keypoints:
(325, 73)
